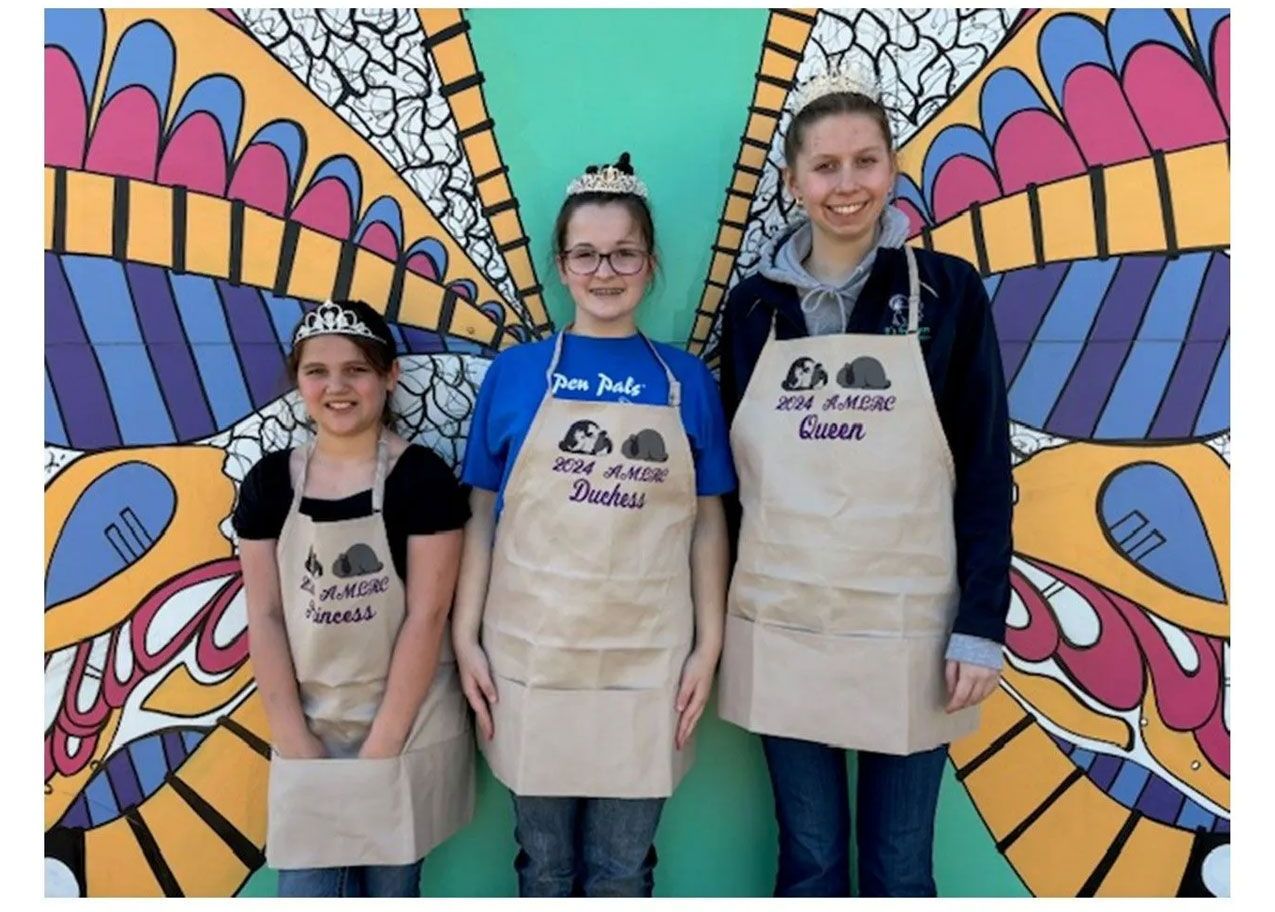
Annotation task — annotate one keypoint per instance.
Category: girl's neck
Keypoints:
(832, 261)
(352, 450)
(585, 325)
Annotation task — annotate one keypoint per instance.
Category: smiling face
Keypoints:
(343, 392)
(842, 174)
(605, 301)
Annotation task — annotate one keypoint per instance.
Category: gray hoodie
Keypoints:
(826, 308)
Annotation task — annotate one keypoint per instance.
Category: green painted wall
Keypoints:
(571, 87)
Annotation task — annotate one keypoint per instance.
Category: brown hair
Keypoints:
(836, 103)
(379, 352)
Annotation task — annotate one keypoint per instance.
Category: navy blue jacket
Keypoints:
(962, 358)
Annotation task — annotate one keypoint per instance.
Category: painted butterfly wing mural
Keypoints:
(1081, 161)
(209, 177)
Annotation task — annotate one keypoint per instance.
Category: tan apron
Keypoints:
(343, 605)
(589, 617)
(845, 587)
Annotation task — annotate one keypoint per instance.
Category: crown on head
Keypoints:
(846, 77)
(330, 319)
(617, 178)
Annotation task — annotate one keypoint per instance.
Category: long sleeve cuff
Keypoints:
(961, 647)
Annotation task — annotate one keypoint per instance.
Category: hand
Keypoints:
(304, 746)
(692, 695)
(969, 684)
(476, 682)
(376, 747)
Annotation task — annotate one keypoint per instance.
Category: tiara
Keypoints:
(846, 78)
(332, 319)
(608, 179)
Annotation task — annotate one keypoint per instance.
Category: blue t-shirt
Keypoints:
(607, 370)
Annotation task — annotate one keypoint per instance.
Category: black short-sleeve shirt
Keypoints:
(422, 497)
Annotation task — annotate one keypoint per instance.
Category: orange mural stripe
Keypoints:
(1017, 779)
(200, 861)
(114, 864)
(1000, 713)
(241, 798)
(1061, 848)
(1199, 181)
(90, 208)
(1135, 223)
(150, 235)
(1150, 863)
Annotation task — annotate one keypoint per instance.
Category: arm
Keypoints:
(471, 597)
(432, 562)
(710, 556)
(269, 653)
(983, 502)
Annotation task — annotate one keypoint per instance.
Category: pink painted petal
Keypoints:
(261, 179)
(962, 180)
(379, 239)
(65, 114)
(326, 207)
(1100, 117)
(915, 220)
(1171, 101)
(1033, 147)
(126, 139)
(422, 265)
(195, 156)
(1222, 67)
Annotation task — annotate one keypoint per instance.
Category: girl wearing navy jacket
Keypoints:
(870, 433)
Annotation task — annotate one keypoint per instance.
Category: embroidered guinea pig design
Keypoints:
(586, 438)
(360, 560)
(646, 445)
(863, 373)
(805, 374)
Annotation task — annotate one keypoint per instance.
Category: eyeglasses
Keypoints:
(583, 261)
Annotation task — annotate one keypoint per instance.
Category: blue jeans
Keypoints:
(898, 797)
(361, 880)
(585, 846)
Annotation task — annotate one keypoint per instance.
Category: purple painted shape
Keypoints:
(174, 750)
(124, 782)
(1104, 770)
(1022, 298)
(421, 342)
(1221, 825)
(1180, 407)
(1160, 801)
(1077, 410)
(170, 352)
(255, 340)
(77, 815)
(74, 373)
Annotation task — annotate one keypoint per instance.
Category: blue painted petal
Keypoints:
(906, 188)
(144, 57)
(288, 138)
(386, 210)
(54, 432)
(1215, 414)
(1005, 93)
(220, 96)
(1067, 42)
(344, 169)
(1203, 23)
(1129, 28)
(432, 249)
(82, 34)
(951, 142)
(117, 519)
(1152, 519)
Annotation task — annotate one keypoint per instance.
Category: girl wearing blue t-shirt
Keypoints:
(588, 617)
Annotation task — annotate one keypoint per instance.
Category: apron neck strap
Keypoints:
(914, 290)
(378, 476)
(674, 388)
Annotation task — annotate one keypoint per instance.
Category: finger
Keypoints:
(964, 687)
(988, 688)
(488, 686)
(689, 721)
(684, 692)
(950, 674)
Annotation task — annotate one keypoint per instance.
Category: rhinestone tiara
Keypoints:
(330, 319)
(608, 179)
(846, 77)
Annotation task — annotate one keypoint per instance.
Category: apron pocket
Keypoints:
(334, 812)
